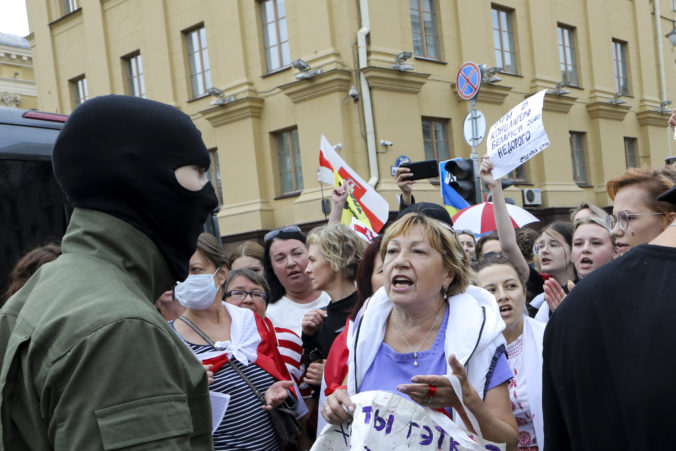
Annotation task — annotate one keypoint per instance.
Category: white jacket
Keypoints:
(473, 334)
(533, 331)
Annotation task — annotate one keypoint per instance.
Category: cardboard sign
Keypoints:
(518, 136)
(388, 422)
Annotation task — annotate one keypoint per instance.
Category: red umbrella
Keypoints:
(480, 218)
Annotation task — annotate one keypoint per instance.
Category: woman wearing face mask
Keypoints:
(223, 336)
(638, 216)
(499, 276)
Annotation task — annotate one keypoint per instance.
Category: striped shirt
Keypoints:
(290, 347)
(245, 426)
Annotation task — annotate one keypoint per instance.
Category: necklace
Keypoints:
(415, 352)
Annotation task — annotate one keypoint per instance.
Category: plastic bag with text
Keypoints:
(386, 421)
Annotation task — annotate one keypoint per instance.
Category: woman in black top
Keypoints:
(334, 252)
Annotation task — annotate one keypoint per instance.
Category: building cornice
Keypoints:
(557, 103)
(395, 80)
(337, 80)
(248, 107)
(14, 86)
(607, 110)
(652, 117)
(491, 93)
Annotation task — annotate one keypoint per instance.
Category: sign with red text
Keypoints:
(387, 422)
(518, 136)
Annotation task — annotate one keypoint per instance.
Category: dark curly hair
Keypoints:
(28, 264)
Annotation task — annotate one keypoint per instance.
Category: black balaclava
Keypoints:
(118, 154)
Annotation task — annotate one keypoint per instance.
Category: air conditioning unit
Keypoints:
(531, 197)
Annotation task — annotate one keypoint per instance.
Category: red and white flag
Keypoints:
(374, 206)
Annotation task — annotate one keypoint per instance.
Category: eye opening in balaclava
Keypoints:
(118, 155)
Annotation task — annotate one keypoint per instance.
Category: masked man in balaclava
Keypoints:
(88, 361)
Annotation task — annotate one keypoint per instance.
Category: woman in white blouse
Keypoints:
(499, 276)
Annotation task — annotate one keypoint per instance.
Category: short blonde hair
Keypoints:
(439, 238)
(596, 221)
(340, 246)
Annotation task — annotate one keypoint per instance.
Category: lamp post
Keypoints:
(672, 34)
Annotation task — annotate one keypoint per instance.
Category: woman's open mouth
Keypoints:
(505, 310)
(401, 282)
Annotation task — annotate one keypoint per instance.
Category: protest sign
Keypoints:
(518, 136)
(386, 421)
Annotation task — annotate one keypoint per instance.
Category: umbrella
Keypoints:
(480, 218)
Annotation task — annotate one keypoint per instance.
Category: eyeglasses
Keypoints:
(622, 218)
(240, 295)
(286, 229)
(464, 232)
(552, 245)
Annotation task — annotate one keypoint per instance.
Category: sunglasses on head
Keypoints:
(271, 235)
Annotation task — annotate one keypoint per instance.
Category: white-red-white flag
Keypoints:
(375, 207)
(362, 230)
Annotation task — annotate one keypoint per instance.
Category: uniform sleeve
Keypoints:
(126, 385)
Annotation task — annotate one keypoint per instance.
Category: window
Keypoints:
(288, 156)
(578, 158)
(518, 175)
(214, 175)
(78, 87)
(135, 85)
(424, 25)
(630, 152)
(435, 139)
(620, 65)
(567, 55)
(200, 74)
(275, 35)
(673, 5)
(69, 6)
(503, 39)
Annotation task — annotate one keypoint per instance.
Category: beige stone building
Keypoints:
(607, 64)
(17, 83)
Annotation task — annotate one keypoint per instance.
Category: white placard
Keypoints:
(518, 136)
(384, 421)
(219, 405)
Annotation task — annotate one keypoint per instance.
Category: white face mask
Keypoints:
(197, 292)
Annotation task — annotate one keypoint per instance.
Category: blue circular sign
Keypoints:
(468, 80)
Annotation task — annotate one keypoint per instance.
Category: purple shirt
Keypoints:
(390, 368)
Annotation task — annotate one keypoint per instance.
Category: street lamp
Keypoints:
(672, 34)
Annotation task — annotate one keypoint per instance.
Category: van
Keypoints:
(33, 209)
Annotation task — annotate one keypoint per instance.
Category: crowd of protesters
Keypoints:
(129, 335)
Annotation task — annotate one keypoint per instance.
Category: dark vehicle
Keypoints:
(33, 209)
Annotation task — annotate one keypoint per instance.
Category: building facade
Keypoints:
(17, 82)
(607, 65)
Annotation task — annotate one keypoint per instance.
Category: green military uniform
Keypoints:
(88, 361)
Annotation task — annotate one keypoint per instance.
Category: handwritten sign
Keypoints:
(518, 136)
(385, 421)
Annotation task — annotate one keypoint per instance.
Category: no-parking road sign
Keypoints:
(468, 80)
